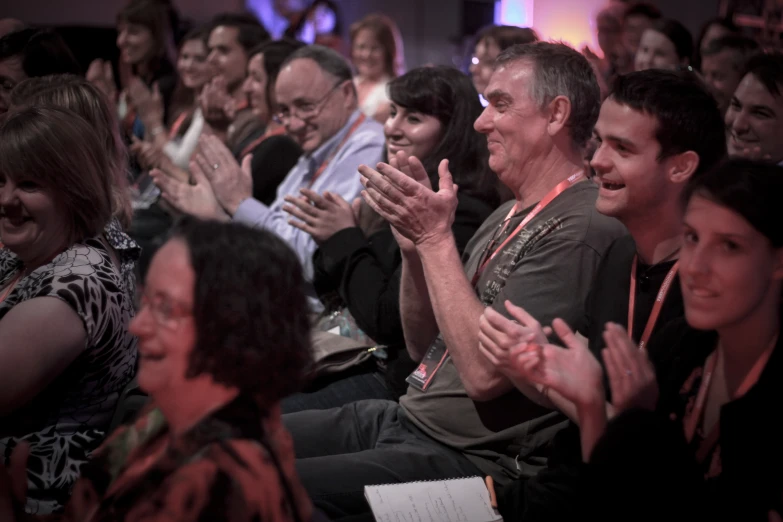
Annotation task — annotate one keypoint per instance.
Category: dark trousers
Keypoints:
(341, 450)
(347, 387)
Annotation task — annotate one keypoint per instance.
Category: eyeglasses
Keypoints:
(165, 311)
(305, 111)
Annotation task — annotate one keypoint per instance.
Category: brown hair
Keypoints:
(77, 94)
(160, 18)
(61, 151)
(388, 35)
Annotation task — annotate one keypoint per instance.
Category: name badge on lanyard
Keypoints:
(422, 377)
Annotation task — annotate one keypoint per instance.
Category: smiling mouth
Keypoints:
(16, 221)
(611, 186)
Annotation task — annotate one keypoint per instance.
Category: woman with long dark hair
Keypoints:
(358, 265)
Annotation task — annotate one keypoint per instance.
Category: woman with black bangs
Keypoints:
(358, 265)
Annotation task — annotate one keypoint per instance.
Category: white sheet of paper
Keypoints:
(456, 500)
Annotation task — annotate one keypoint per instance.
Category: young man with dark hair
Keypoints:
(29, 53)
(224, 103)
(754, 119)
(655, 131)
(723, 65)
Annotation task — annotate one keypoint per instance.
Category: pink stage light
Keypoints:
(572, 21)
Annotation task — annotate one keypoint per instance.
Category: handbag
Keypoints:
(339, 344)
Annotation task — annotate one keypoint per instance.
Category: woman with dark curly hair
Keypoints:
(222, 338)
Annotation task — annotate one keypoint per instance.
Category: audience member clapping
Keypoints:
(359, 260)
(61, 382)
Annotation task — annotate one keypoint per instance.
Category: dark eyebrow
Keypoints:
(622, 141)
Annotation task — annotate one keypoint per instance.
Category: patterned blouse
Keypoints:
(69, 419)
(236, 465)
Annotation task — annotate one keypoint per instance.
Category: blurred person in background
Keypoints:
(723, 65)
(490, 42)
(223, 100)
(173, 142)
(145, 38)
(665, 45)
(637, 18)
(713, 29)
(377, 57)
(30, 53)
(754, 119)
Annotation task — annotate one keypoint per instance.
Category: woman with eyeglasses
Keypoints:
(66, 296)
(212, 445)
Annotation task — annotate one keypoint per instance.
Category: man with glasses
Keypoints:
(317, 104)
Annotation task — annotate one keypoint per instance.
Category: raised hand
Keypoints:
(216, 102)
(231, 183)
(501, 339)
(416, 212)
(320, 216)
(198, 199)
(148, 104)
(630, 372)
(147, 154)
(573, 371)
(100, 74)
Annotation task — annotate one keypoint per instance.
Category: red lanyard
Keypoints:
(659, 299)
(177, 124)
(559, 189)
(692, 420)
(247, 150)
(335, 150)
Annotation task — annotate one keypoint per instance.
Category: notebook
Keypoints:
(456, 500)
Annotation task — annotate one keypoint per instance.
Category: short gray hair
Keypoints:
(559, 70)
(330, 61)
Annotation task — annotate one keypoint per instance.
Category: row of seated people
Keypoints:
(468, 411)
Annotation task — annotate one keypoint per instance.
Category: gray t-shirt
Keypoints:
(548, 269)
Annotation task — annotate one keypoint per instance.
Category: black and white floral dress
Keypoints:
(69, 419)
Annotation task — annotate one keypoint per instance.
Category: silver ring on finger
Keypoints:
(216, 166)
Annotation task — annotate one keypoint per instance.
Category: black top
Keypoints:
(643, 459)
(273, 159)
(552, 494)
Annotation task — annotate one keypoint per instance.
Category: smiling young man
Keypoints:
(723, 65)
(754, 120)
(655, 130)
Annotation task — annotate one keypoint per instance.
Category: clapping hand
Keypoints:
(216, 102)
(573, 371)
(416, 212)
(195, 199)
(501, 339)
(630, 372)
(231, 183)
(148, 104)
(101, 75)
(321, 216)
